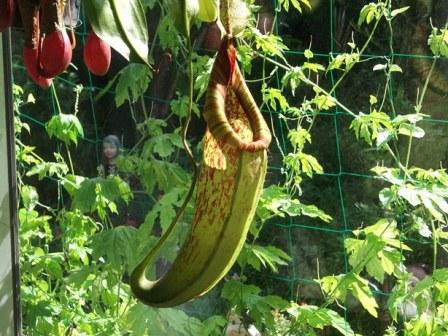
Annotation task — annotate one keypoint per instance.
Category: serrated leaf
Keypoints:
(268, 256)
(116, 246)
(132, 83)
(362, 292)
(324, 102)
(259, 307)
(100, 194)
(319, 318)
(214, 324)
(65, 127)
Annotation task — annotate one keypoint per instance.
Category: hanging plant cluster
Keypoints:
(118, 24)
(230, 179)
(234, 164)
(49, 42)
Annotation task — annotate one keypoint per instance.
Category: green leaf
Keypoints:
(144, 320)
(165, 209)
(296, 4)
(183, 13)
(395, 68)
(362, 292)
(179, 106)
(303, 163)
(370, 12)
(383, 137)
(100, 194)
(208, 10)
(389, 259)
(270, 44)
(347, 59)
(164, 145)
(314, 67)
(412, 118)
(271, 202)
(293, 78)
(116, 246)
(29, 196)
(441, 275)
(324, 102)
(53, 266)
(268, 256)
(214, 325)
(202, 67)
(131, 18)
(314, 212)
(65, 127)
(245, 56)
(379, 67)
(308, 53)
(318, 318)
(387, 196)
(411, 130)
(81, 276)
(46, 169)
(247, 297)
(299, 137)
(391, 175)
(162, 174)
(397, 11)
(275, 201)
(334, 285)
(410, 194)
(72, 183)
(107, 22)
(431, 207)
(438, 42)
(365, 252)
(369, 126)
(132, 83)
(272, 96)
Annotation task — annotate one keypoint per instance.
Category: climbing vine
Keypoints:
(75, 261)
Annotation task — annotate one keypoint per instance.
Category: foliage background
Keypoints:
(76, 254)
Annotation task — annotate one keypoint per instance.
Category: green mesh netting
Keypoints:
(342, 191)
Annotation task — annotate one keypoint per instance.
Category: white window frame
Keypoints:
(10, 315)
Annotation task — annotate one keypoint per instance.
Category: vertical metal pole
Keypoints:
(10, 320)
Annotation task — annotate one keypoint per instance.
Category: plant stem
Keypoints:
(118, 295)
(309, 82)
(151, 254)
(55, 96)
(70, 159)
(364, 47)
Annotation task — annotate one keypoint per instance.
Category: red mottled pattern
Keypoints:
(218, 173)
(226, 75)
